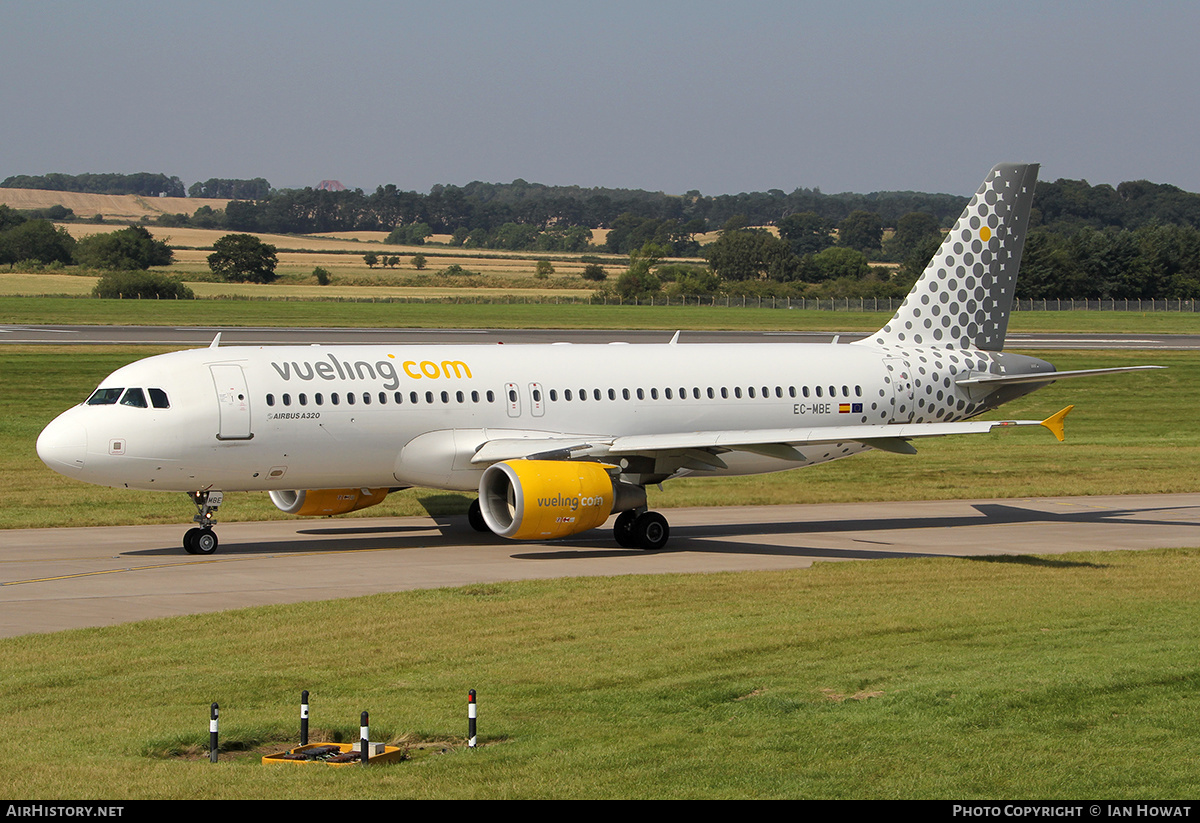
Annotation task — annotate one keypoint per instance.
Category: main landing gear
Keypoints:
(202, 539)
(633, 530)
(641, 530)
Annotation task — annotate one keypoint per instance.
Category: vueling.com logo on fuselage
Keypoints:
(567, 502)
(334, 369)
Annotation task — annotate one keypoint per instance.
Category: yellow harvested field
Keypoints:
(112, 206)
(32, 285)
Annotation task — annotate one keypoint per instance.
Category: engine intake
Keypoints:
(545, 499)
(324, 502)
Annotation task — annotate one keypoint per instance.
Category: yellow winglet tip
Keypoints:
(1055, 423)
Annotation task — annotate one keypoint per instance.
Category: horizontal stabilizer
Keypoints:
(1043, 377)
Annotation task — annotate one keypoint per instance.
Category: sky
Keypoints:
(719, 97)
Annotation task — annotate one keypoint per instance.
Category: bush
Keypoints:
(141, 284)
(127, 249)
(322, 275)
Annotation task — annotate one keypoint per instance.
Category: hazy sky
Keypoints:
(722, 97)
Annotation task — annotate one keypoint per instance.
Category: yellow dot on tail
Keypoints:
(985, 234)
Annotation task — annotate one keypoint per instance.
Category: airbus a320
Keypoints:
(557, 438)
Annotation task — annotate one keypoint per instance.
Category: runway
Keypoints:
(196, 336)
(54, 579)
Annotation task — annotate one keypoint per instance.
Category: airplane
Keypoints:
(556, 438)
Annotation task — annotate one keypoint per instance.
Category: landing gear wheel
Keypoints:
(475, 517)
(650, 531)
(200, 541)
(623, 530)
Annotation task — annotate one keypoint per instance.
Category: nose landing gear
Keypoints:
(202, 539)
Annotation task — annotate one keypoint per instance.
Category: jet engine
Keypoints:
(545, 499)
(323, 502)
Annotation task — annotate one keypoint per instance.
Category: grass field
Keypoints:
(515, 314)
(1072, 677)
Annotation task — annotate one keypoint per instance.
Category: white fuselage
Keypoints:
(293, 417)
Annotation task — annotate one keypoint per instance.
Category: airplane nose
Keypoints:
(62, 446)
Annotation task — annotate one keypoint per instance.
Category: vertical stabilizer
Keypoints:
(963, 298)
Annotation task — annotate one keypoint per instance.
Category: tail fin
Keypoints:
(963, 298)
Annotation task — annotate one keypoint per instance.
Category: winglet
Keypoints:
(675, 339)
(216, 341)
(1055, 423)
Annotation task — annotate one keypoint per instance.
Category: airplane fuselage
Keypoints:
(287, 417)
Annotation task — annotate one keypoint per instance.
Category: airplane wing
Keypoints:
(702, 447)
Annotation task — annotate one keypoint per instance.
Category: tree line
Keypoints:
(1137, 239)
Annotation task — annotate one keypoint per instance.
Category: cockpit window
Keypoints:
(135, 398)
(158, 398)
(104, 397)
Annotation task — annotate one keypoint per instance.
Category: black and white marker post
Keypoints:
(304, 718)
(471, 719)
(212, 733)
(364, 738)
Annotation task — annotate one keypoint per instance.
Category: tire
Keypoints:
(651, 531)
(189, 540)
(205, 542)
(623, 530)
(475, 518)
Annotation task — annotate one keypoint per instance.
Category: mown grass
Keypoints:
(1129, 433)
(1065, 677)
(520, 315)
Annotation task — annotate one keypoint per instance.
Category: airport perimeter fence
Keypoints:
(856, 304)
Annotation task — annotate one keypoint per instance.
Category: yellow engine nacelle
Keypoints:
(545, 499)
(322, 502)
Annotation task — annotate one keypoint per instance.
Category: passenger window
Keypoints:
(319, 399)
(335, 398)
(270, 400)
(349, 398)
(303, 399)
(158, 399)
(104, 397)
(135, 398)
(287, 400)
